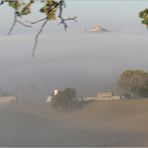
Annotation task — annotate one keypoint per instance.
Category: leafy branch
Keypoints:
(50, 9)
(15, 20)
(63, 21)
(144, 16)
(37, 37)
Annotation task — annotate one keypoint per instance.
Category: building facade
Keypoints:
(7, 100)
(101, 96)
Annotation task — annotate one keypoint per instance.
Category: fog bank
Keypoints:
(84, 61)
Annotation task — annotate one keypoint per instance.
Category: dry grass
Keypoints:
(124, 122)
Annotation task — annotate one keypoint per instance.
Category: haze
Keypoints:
(87, 62)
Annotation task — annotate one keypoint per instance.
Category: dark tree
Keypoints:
(65, 99)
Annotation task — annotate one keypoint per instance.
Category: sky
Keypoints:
(113, 14)
(78, 59)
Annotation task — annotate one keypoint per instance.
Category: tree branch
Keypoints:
(37, 37)
(13, 24)
(41, 29)
(49, 9)
(15, 20)
(38, 21)
(63, 21)
(68, 19)
(23, 24)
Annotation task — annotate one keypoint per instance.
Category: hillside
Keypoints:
(102, 123)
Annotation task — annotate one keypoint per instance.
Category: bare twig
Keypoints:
(60, 4)
(72, 18)
(63, 21)
(38, 21)
(13, 24)
(50, 11)
(23, 24)
(41, 29)
(15, 20)
(37, 37)
(69, 19)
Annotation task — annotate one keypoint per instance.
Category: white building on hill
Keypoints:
(98, 29)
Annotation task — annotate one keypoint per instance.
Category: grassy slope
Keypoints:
(122, 123)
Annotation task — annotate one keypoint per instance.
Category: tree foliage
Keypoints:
(52, 9)
(65, 99)
(133, 83)
(144, 15)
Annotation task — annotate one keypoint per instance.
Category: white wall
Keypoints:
(7, 99)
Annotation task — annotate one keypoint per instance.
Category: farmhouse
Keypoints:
(101, 96)
(107, 96)
(7, 100)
